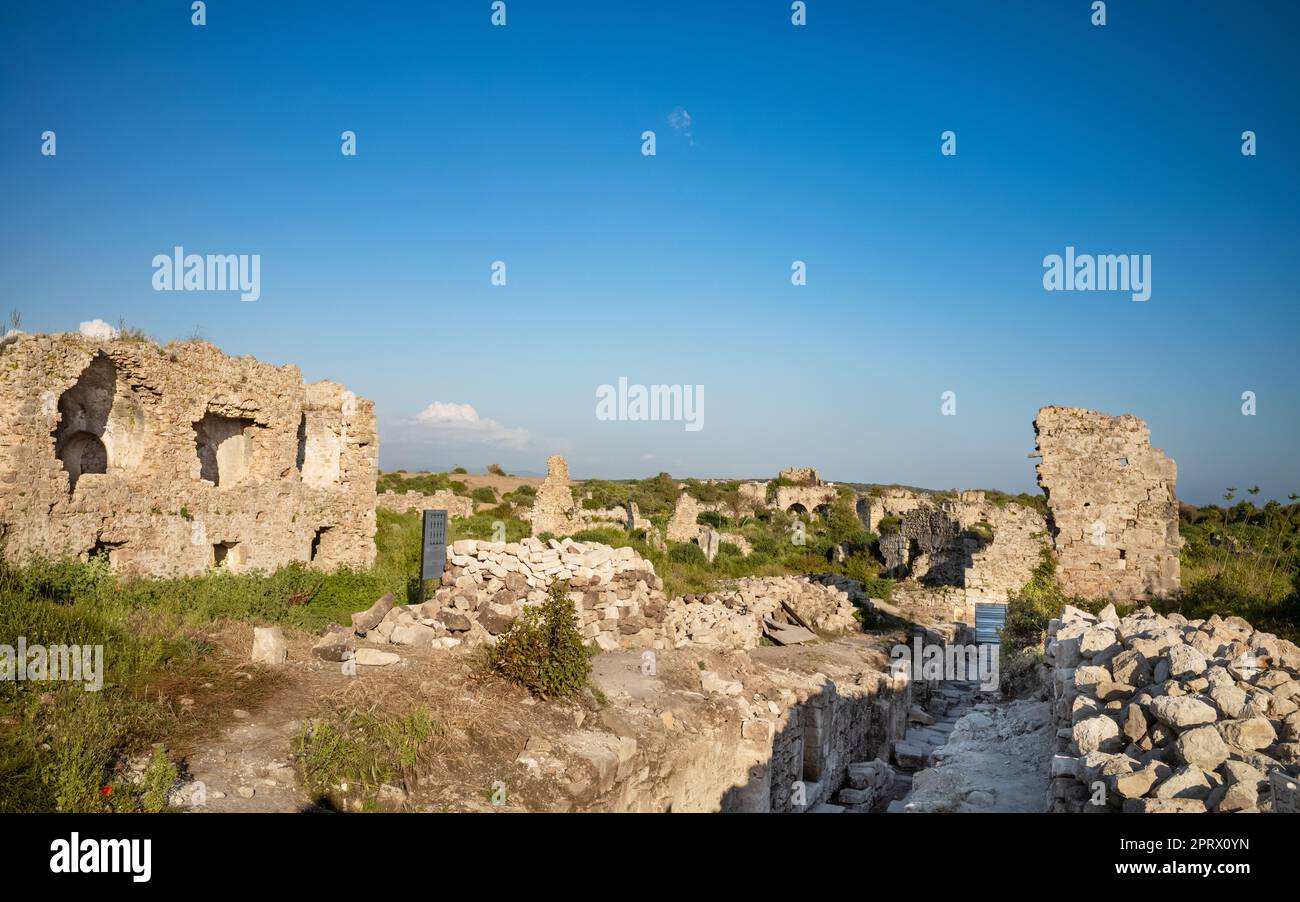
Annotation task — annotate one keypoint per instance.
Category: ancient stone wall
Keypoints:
(800, 476)
(172, 459)
(683, 526)
(1113, 512)
(456, 506)
(618, 597)
(805, 499)
(554, 508)
(969, 543)
(751, 497)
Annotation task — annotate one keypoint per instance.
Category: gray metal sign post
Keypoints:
(433, 547)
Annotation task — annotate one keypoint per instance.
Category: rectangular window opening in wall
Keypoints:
(320, 447)
(324, 547)
(106, 550)
(223, 447)
(229, 554)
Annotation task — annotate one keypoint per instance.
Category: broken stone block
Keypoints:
(1187, 782)
(1182, 712)
(269, 646)
(1201, 746)
(1097, 734)
(911, 755)
(364, 621)
(1253, 733)
(335, 645)
(374, 657)
(455, 622)
(414, 634)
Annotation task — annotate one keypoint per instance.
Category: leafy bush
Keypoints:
(888, 525)
(688, 553)
(542, 649)
(713, 519)
(484, 494)
(495, 470)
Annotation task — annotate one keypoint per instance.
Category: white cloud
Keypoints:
(451, 422)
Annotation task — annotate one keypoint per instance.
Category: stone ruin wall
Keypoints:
(936, 543)
(1114, 514)
(800, 476)
(170, 460)
(456, 506)
(809, 497)
(554, 509)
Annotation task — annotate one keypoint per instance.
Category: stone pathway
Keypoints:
(928, 732)
(994, 757)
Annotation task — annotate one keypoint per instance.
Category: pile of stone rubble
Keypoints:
(737, 616)
(1159, 713)
(487, 584)
(619, 600)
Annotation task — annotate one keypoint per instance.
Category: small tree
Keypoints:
(542, 649)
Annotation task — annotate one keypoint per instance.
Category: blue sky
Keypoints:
(819, 143)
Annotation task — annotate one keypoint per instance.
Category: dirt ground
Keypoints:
(496, 747)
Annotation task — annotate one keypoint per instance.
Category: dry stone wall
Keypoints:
(618, 597)
(172, 459)
(1165, 714)
(1114, 515)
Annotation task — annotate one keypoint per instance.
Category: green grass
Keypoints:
(363, 750)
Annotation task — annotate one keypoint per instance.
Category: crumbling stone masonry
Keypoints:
(553, 508)
(986, 550)
(1113, 513)
(172, 459)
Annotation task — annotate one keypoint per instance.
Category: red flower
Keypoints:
(106, 790)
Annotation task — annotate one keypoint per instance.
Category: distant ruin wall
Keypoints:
(1113, 512)
(170, 460)
(553, 508)
(986, 550)
(456, 506)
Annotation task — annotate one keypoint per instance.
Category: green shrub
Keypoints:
(888, 525)
(542, 649)
(484, 494)
(495, 470)
(459, 471)
(605, 535)
(688, 553)
(713, 519)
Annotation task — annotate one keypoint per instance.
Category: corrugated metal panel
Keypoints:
(989, 620)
